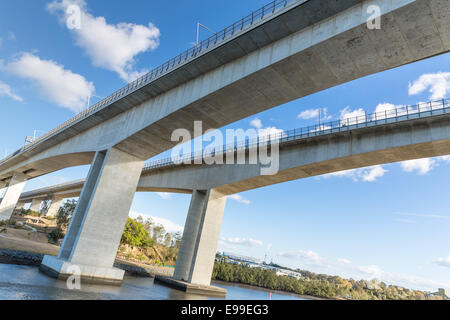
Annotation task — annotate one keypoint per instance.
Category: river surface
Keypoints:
(27, 283)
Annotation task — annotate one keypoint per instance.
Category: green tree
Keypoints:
(65, 213)
(135, 235)
(158, 233)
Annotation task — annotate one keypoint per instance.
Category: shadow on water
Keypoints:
(27, 283)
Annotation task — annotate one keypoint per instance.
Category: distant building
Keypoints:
(240, 258)
(255, 263)
(443, 293)
(289, 273)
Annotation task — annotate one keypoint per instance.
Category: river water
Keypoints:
(27, 283)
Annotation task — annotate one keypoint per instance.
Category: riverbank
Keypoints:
(28, 247)
(18, 257)
(26, 258)
(268, 291)
(26, 282)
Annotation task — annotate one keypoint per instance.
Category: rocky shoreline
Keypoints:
(8, 256)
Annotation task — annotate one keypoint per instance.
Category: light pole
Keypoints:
(89, 99)
(198, 31)
(30, 139)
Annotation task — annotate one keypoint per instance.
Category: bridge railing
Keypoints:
(215, 40)
(389, 115)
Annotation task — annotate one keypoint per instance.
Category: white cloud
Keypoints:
(273, 132)
(314, 114)
(443, 262)
(387, 110)
(405, 280)
(309, 114)
(408, 221)
(350, 117)
(112, 47)
(345, 268)
(5, 90)
(59, 85)
(256, 123)
(344, 261)
(373, 173)
(320, 128)
(438, 84)
(267, 131)
(168, 225)
(371, 271)
(422, 166)
(368, 174)
(239, 198)
(245, 242)
(305, 257)
(164, 195)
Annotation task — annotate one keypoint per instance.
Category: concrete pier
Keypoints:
(36, 205)
(20, 205)
(93, 237)
(54, 206)
(201, 234)
(12, 195)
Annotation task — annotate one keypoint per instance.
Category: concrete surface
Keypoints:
(200, 237)
(36, 204)
(54, 206)
(12, 195)
(96, 228)
(323, 44)
(191, 287)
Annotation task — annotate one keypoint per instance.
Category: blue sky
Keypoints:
(391, 222)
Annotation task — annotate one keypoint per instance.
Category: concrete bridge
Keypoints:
(284, 51)
(396, 135)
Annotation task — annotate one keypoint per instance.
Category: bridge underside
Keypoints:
(335, 50)
(331, 52)
(413, 139)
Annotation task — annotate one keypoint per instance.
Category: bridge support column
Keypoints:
(36, 205)
(12, 195)
(91, 242)
(20, 205)
(201, 234)
(54, 206)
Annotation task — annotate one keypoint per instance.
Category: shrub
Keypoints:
(135, 235)
(34, 213)
(56, 234)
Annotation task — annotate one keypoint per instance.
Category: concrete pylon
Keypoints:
(200, 237)
(12, 195)
(54, 206)
(91, 242)
(20, 205)
(36, 205)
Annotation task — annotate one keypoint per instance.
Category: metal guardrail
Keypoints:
(213, 41)
(420, 110)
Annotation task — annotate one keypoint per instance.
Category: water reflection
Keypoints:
(27, 283)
